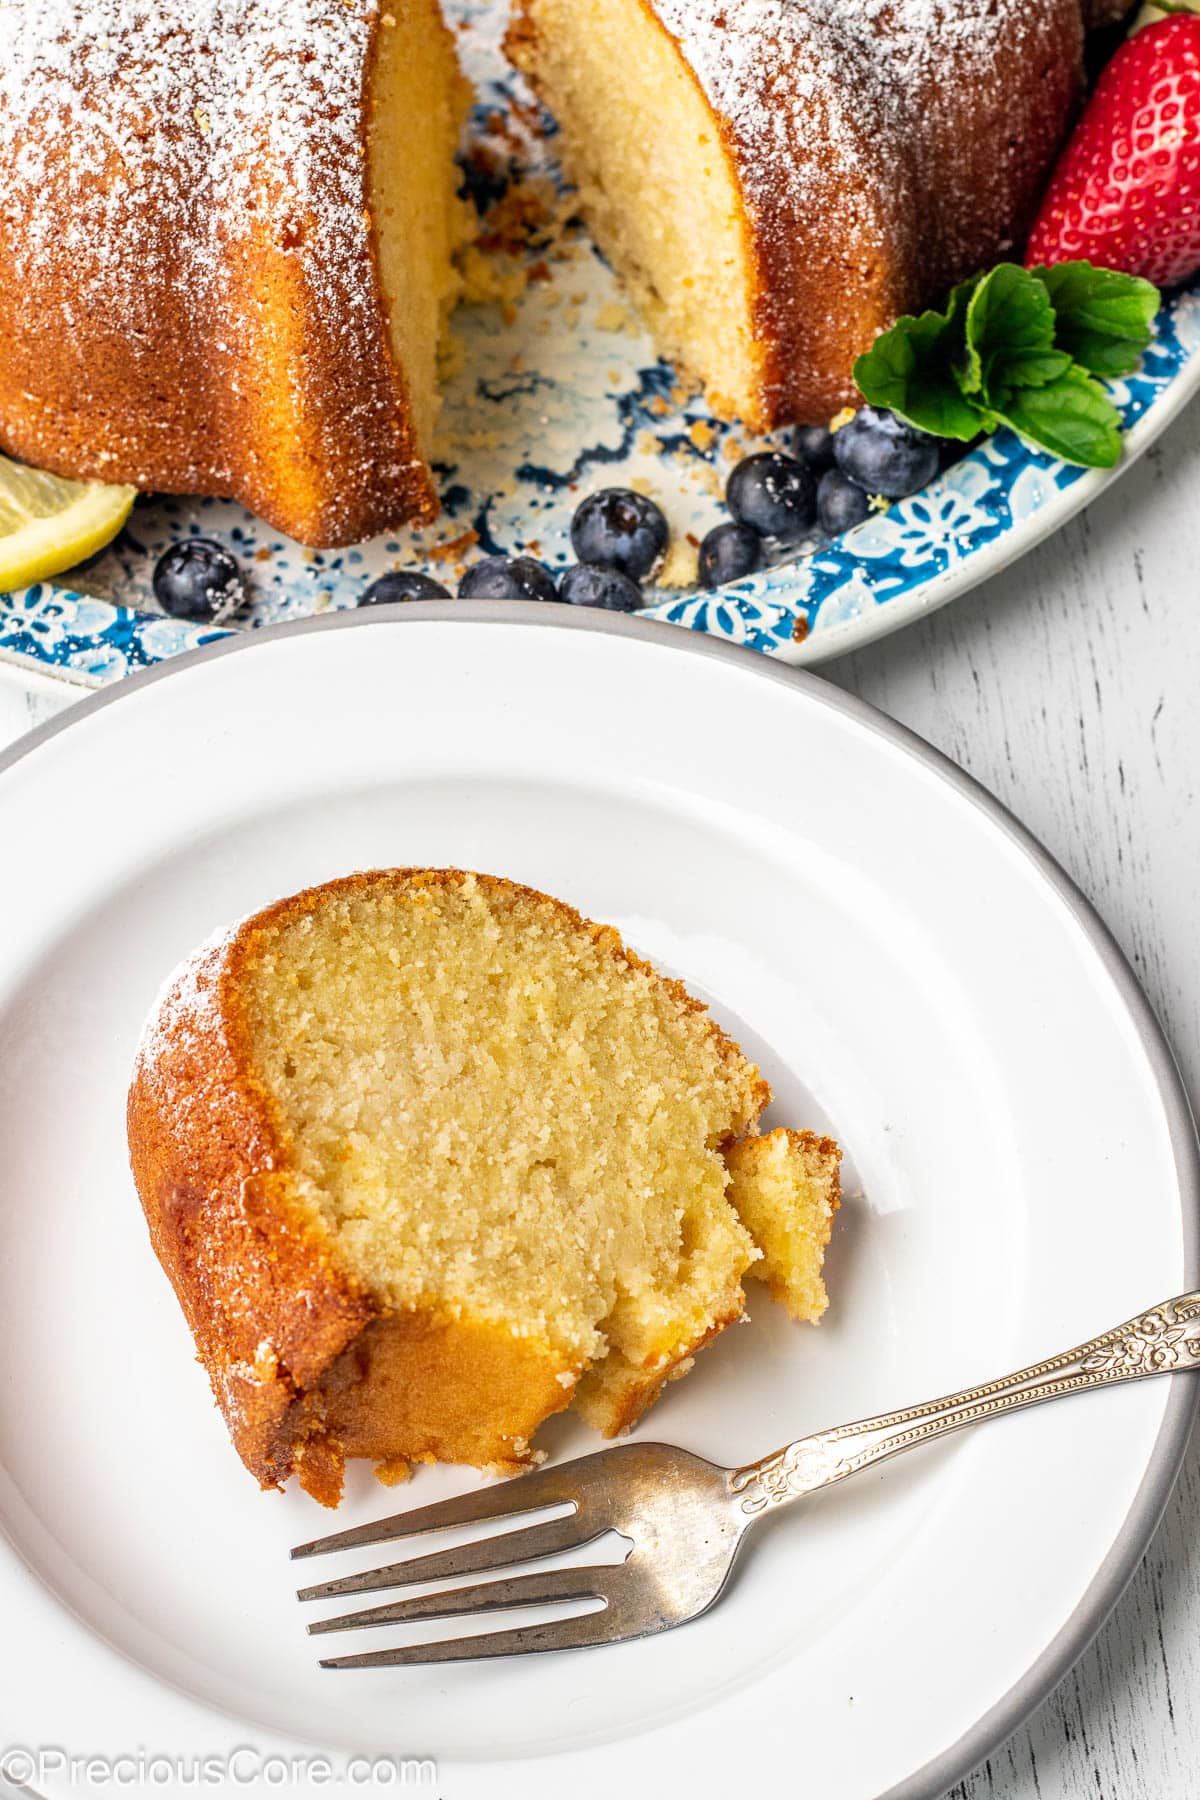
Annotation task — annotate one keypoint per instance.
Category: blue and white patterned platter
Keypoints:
(551, 390)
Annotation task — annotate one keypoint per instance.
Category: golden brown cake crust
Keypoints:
(280, 1327)
(944, 180)
(268, 1307)
(189, 293)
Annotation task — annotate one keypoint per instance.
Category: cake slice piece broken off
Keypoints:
(429, 1157)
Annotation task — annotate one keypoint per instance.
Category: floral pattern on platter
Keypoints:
(554, 390)
(988, 501)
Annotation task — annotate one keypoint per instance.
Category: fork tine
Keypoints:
(527, 1493)
(559, 1634)
(569, 1533)
(538, 1589)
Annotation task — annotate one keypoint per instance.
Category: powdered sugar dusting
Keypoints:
(825, 90)
(187, 1007)
(879, 52)
(188, 115)
(763, 68)
(188, 261)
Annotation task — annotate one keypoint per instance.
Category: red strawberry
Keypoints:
(1126, 192)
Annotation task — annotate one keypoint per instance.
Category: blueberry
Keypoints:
(774, 493)
(198, 579)
(728, 552)
(620, 530)
(403, 584)
(885, 455)
(813, 444)
(841, 503)
(587, 584)
(507, 578)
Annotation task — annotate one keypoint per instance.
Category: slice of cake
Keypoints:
(776, 180)
(429, 1157)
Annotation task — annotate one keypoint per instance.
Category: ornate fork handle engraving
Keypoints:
(1157, 1342)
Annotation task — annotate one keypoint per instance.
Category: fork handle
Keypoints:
(1156, 1343)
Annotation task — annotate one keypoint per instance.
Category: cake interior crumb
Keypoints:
(511, 1117)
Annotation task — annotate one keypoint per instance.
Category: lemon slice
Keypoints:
(48, 524)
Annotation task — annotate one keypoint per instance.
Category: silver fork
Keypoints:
(687, 1518)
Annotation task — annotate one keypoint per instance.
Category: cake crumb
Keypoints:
(454, 547)
(451, 357)
(613, 317)
(681, 566)
(395, 1472)
(485, 282)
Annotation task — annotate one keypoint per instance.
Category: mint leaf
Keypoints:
(1103, 318)
(910, 370)
(1071, 417)
(1033, 368)
(1018, 347)
(1009, 328)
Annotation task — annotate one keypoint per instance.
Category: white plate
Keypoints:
(910, 970)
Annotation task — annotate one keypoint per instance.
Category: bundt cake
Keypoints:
(227, 226)
(225, 249)
(777, 180)
(429, 1157)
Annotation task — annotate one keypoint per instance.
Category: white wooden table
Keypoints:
(1070, 687)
